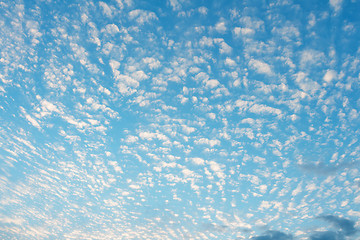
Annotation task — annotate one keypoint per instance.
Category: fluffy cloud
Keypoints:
(229, 62)
(142, 16)
(210, 142)
(212, 83)
(238, 31)
(220, 27)
(260, 67)
(329, 76)
(106, 9)
(336, 4)
(198, 161)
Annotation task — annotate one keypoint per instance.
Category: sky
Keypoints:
(179, 119)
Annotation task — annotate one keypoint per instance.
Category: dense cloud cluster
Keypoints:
(178, 119)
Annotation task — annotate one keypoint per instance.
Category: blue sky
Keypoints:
(180, 119)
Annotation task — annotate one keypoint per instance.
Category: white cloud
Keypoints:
(241, 224)
(261, 109)
(150, 136)
(311, 57)
(94, 121)
(129, 3)
(336, 4)
(107, 47)
(263, 188)
(211, 115)
(201, 77)
(329, 76)
(353, 213)
(129, 81)
(265, 205)
(188, 173)
(111, 29)
(33, 28)
(211, 143)
(175, 5)
(354, 114)
(229, 62)
(105, 9)
(225, 48)
(203, 10)
(77, 123)
(142, 16)
(30, 119)
(297, 190)
(212, 83)
(135, 186)
(357, 199)
(252, 23)
(206, 41)
(12, 220)
(238, 31)
(47, 108)
(131, 139)
(104, 90)
(152, 62)
(5, 81)
(217, 169)
(183, 99)
(188, 130)
(220, 27)
(289, 33)
(139, 75)
(307, 85)
(162, 133)
(84, 18)
(114, 65)
(198, 161)
(260, 67)
(120, 4)
(242, 104)
(311, 187)
(260, 160)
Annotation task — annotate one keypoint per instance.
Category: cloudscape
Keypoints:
(179, 119)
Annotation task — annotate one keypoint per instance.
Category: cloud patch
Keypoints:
(260, 67)
(273, 235)
(142, 16)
